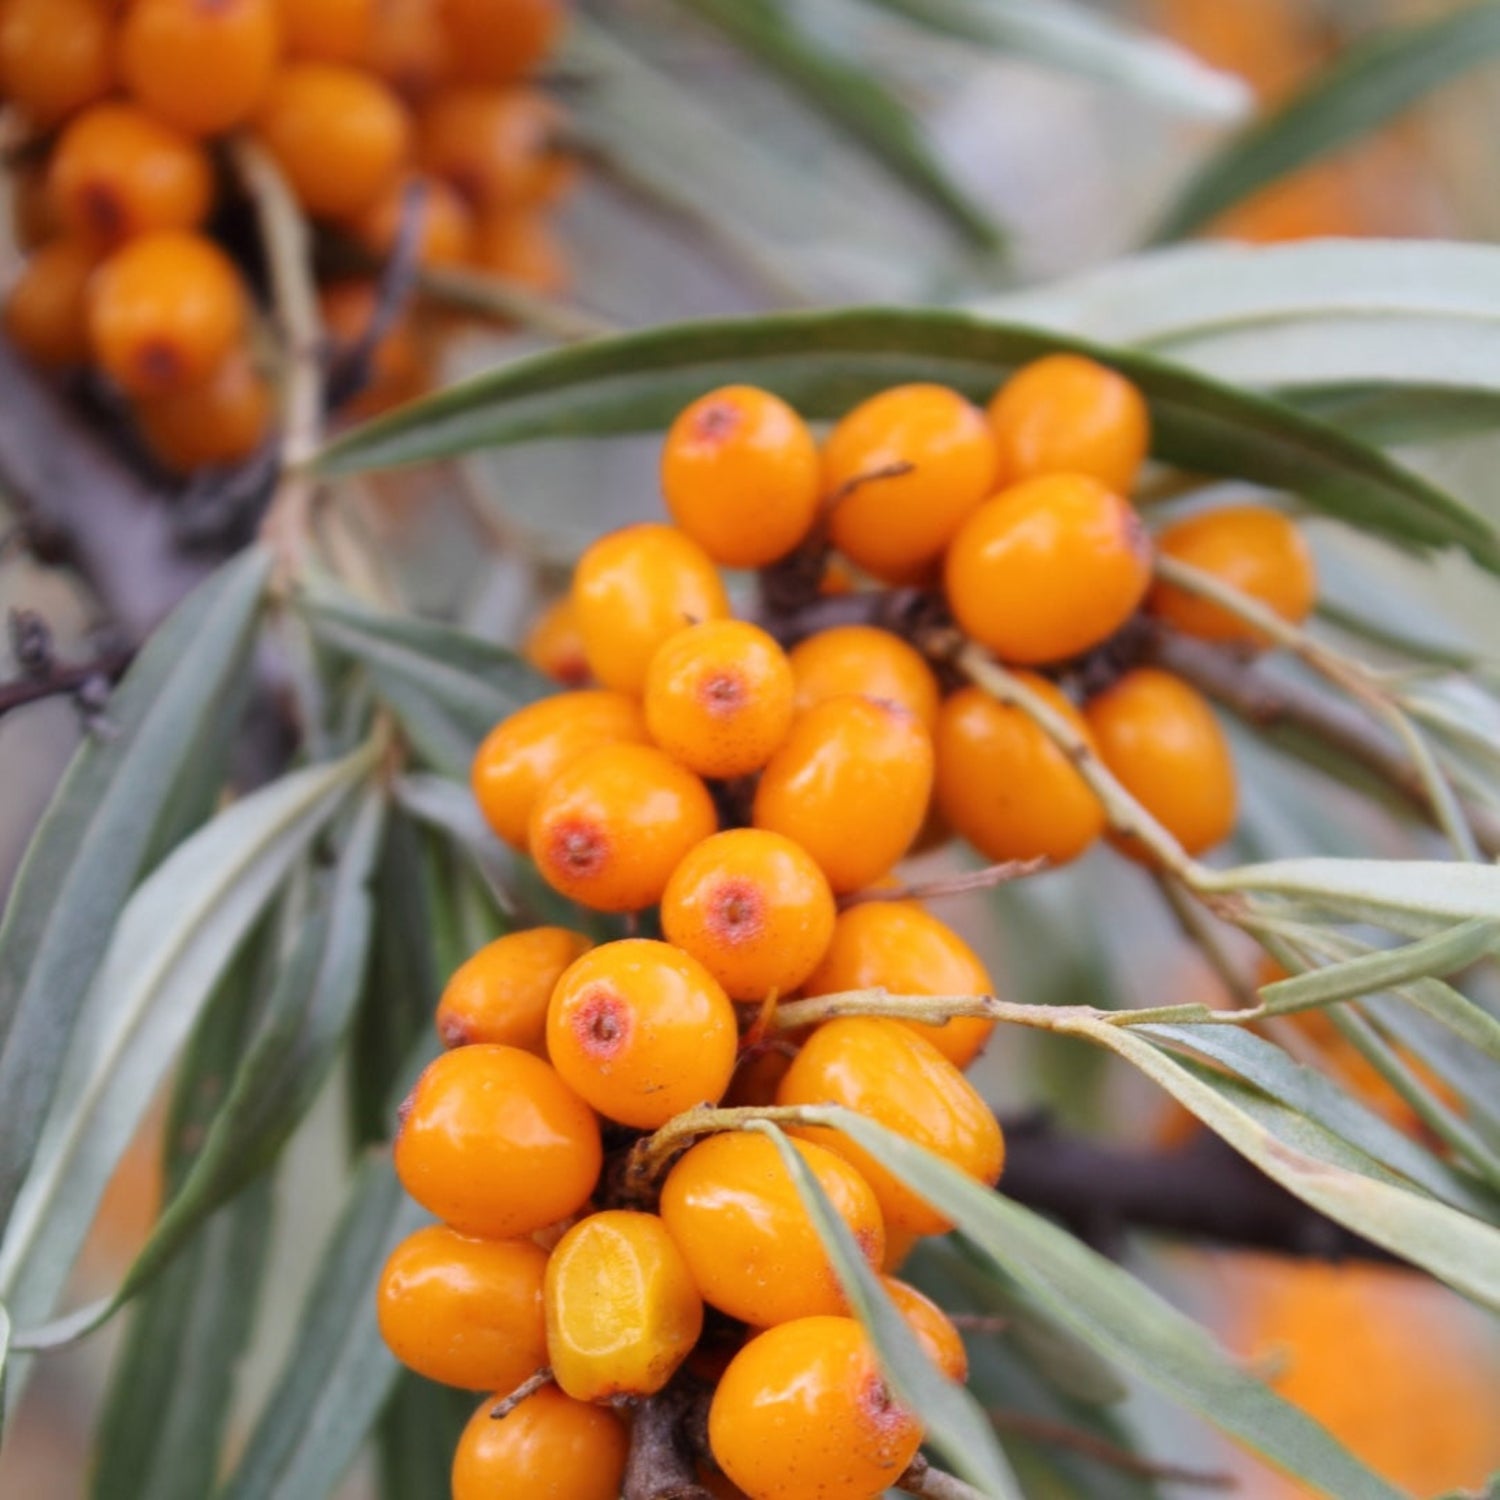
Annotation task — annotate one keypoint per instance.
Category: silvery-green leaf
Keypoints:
(450, 807)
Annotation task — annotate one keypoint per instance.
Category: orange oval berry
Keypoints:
(642, 1031)
(497, 148)
(520, 245)
(500, 995)
(941, 1342)
(222, 421)
(850, 784)
(446, 236)
(464, 1312)
(862, 659)
(550, 1445)
(734, 1212)
(407, 47)
(495, 1144)
(326, 30)
(56, 56)
(901, 473)
(741, 476)
(500, 41)
(554, 645)
(46, 312)
(1048, 568)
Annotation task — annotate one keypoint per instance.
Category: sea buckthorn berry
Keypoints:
(500, 41)
(34, 221)
(165, 312)
(523, 753)
(882, 1069)
(901, 472)
(496, 147)
(408, 48)
(1252, 548)
(222, 421)
(446, 236)
(55, 56)
(851, 785)
(500, 995)
(201, 67)
(941, 1342)
(862, 659)
(465, 1312)
(550, 1445)
(1161, 739)
(399, 366)
(46, 313)
(1048, 568)
(495, 1144)
(741, 476)
(642, 1031)
(753, 908)
(634, 588)
(899, 947)
(554, 645)
(757, 1077)
(803, 1410)
(326, 30)
(735, 1214)
(519, 245)
(1005, 787)
(622, 1310)
(1066, 414)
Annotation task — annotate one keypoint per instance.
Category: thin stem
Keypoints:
(1101, 1450)
(933, 1009)
(1196, 929)
(651, 1156)
(934, 1484)
(953, 885)
(523, 1392)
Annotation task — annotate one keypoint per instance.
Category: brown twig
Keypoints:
(662, 1464)
(61, 679)
(921, 1478)
(523, 1392)
(951, 885)
(1090, 1445)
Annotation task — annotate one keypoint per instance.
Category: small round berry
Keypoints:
(741, 476)
(465, 1312)
(731, 1206)
(901, 473)
(862, 659)
(326, 30)
(519, 245)
(501, 41)
(803, 1410)
(497, 148)
(1252, 548)
(408, 49)
(634, 588)
(550, 1445)
(941, 1342)
(56, 56)
(500, 995)
(719, 697)
(642, 1031)
(1048, 568)
(1163, 743)
(554, 645)
(1005, 787)
(622, 1310)
(1066, 414)
(222, 421)
(495, 1144)
(446, 236)
(46, 311)
(850, 784)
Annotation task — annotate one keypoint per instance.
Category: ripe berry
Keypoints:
(465, 1312)
(326, 30)
(55, 56)
(519, 245)
(500, 41)
(222, 421)
(940, 1340)
(850, 784)
(1005, 787)
(734, 1212)
(554, 645)
(1066, 414)
(642, 1031)
(862, 659)
(500, 995)
(497, 148)
(46, 312)
(622, 1309)
(550, 1445)
(446, 236)
(408, 48)
(941, 461)
(33, 215)
(494, 1143)
(753, 908)
(740, 473)
(1048, 568)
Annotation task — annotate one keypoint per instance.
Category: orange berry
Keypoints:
(550, 1445)
(862, 659)
(399, 364)
(408, 48)
(222, 421)
(340, 136)
(498, 148)
(201, 67)
(500, 995)
(446, 236)
(1161, 739)
(1048, 568)
(554, 645)
(735, 1214)
(899, 947)
(165, 312)
(326, 30)
(1066, 414)
(803, 1410)
(1005, 787)
(1252, 548)
(851, 785)
(33, 214)
(622, 1309)
(499, 41)
(740, 473)
(519, 245)
(55, 56)
(494, 1143)
(635, 587)
(940, 1340)
(757, 1077)
(465, 1312)
(897, 526)
(642, 1031)
(46, 312)
(523, 753)
(882, 1069)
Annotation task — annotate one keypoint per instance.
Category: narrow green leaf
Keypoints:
(418, 1431)
(1400, 414)
(1467, 1072)
(4, 1363)
(449, 807)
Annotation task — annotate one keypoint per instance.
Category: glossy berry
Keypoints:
(1066, 414)
(863, 659)
(1048, 569)
(465, 1312)
(550, 1446)
(901, 472)
(941, 1342)
(803, 1411)
(500, 995)
(634, 588)
(1005, 787)
(408, 47)
(642, 1031)
(735, 1214)
(223, 421)
(46, 311)
(622, 1310)
(519, 245)
(741, 476)
(851, 785)
(495, 1144)
(497, 148)
(55, 56)
(554, 645)
(501, 41)
(326, 30)
(446, 237)
(882, 1069)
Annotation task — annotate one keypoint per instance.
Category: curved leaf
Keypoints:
(449, 807)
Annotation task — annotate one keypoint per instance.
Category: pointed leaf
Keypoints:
(449, 807)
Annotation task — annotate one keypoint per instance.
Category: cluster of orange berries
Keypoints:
(355, 100)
